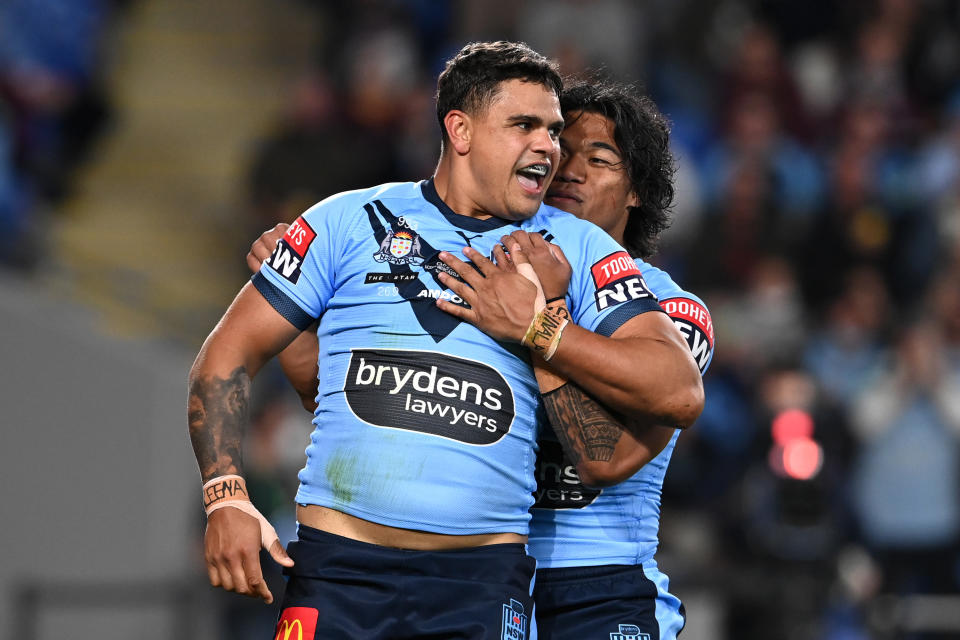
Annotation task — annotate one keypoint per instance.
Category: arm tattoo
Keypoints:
(584, 428)
(217, 413)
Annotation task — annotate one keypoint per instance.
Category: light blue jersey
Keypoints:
(576, 526)
(422, 421)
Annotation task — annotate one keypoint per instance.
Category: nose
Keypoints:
(571, 169)
(545, 143)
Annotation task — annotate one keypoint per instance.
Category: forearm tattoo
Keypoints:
(217, 413)
(586, 430)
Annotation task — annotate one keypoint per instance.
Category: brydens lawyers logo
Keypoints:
(287, 258)
(617, 280)
(429, 392)
(297, 623)
(629, 632)
(514, 621)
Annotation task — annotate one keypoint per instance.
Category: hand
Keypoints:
(502, 301)
(232, 550)
(547, 260)
(263, 246)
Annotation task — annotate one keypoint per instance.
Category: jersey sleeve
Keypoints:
(608, 289)
(692, 318)
(688, 312)
(298, 277)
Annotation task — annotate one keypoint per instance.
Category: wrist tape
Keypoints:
(231, 491)
(544, 333)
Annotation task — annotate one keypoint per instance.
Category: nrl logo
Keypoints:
(402, 247)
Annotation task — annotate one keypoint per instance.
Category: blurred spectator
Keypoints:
(49, 59)
(908, 467)
(845, 353)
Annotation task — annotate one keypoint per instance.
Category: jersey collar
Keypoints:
(454, 218)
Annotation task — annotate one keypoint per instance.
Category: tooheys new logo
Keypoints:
(431, 393)
(287, 258)
(617, 280)
(558, 485)
(694, 322)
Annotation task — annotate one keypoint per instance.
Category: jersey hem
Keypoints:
(405, 524)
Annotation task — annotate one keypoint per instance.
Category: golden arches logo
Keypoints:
(285, 630)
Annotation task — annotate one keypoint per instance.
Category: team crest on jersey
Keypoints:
(401, 247)
(617, 280)
(514, 621)
(629, 632)
(287, 258)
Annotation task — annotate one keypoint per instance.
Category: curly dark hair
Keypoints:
(472, 77)
(643, 135)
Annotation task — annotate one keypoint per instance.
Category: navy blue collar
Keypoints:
(454, 218)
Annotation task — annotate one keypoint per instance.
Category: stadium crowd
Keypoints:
(818, 216)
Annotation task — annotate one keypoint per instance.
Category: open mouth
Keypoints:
(532, 177)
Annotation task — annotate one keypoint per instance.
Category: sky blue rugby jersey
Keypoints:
(423, 421)
(575, 526)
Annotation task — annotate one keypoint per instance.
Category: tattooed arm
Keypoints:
(604, 448)
(249, 333)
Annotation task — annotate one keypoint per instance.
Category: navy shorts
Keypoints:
(343, 589)
(612, 602)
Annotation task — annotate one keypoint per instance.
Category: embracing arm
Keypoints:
(643, 371)
(299, 359)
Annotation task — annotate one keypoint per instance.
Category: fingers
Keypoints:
(263, 246)
(279, 554)
(502, 259)
(462, 269)
(255, 584)
(558, 255)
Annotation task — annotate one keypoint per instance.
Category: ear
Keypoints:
(633, 200)
(459, 128)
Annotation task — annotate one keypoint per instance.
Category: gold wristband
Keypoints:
(544, 333)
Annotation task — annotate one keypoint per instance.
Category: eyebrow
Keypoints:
(559, 124)
(599, 145)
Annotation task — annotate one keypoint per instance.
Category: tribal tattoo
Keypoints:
(217, 413)
(584, 427)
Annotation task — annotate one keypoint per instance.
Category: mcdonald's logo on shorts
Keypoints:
(297, 623)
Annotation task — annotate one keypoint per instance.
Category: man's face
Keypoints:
(592, 181)
(514, 149)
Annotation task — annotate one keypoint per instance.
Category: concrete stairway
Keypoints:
(153, 236)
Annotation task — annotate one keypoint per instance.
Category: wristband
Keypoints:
(544, 333)
(552, 300)
(231, 491)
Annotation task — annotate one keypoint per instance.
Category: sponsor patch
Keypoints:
(558, 485)
(287, 257)
(429, 392)
(297, 623)
(618, 280)
(396, 278)
(514, 625)
(629, 632)
(695, 324)
(614, 267)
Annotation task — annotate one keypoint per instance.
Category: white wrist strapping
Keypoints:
(231, 491)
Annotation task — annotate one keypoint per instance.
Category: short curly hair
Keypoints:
(643, 135)
(472, 77)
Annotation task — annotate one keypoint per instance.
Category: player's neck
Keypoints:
(454, 185)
